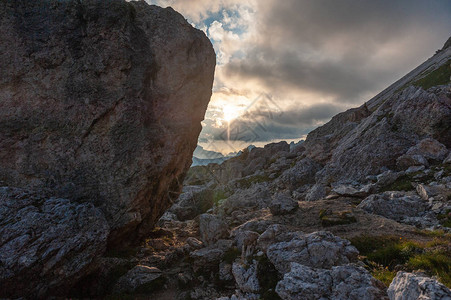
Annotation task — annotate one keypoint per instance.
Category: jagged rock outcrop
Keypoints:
(46, 244)
(380, 139)
(100, 111)
(102, 102)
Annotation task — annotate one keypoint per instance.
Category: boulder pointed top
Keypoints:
(101, 102)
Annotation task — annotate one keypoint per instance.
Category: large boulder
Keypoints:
(430, 149)
(318, 250)
(342, 282)
(46, 244)
(406, 286)
(101, 102)
(394, 205)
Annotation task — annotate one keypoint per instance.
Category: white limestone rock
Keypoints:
(408, 286)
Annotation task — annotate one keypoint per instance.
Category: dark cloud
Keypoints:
(263, 123)
(344, 49)
(345, 80)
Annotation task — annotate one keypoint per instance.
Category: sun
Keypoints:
(230, 112)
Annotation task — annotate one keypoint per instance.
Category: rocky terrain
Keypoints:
(360, 210)
(100, 111)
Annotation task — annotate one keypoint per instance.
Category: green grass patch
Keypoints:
(219, 195)
(439, 233)
(438, 77)
(383, 255)
(445, 219)
(247, 182)
(403, 183)
(387, 251)
(436, 263)
(384, 275)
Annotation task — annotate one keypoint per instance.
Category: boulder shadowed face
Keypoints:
(102, 102)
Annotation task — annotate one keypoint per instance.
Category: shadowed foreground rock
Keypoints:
(46, 243)
(100, 111)
(101, 101)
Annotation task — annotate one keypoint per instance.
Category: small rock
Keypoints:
(437, 192)
(317, 192)
(225, 271)
(388, 178)
(253, 225)
(409, 160)
(447, 160)
(212, 228)
(184, 278)
(407, 286)
(245, 238)
(194, 243)
(212, 254)
(136, 277)
(415, 169)
(281, 205)
(246, 277)
(349, 191)
(274, 234)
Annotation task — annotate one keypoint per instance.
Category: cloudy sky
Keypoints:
(285, 67)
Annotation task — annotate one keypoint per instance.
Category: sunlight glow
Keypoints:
(230, 112)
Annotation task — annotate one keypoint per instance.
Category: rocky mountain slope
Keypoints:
(360, 210)
(100, 111)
